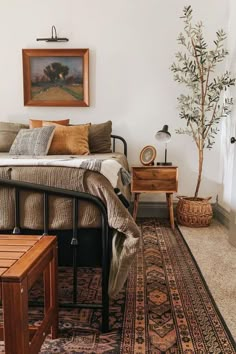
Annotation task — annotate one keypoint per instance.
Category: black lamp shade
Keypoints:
(163, 136)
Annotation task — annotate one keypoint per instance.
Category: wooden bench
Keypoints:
(22, 260)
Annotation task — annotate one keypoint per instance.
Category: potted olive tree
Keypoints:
(202, 106)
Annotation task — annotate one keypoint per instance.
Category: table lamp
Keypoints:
(163, 136)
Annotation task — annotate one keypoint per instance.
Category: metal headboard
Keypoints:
(114, 137)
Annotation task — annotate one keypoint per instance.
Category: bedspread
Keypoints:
(127, 233)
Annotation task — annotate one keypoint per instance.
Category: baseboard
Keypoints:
(222, 215)
(152, 209)
(159, 209)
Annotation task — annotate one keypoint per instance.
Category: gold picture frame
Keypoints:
(148, 155)
(56, 77)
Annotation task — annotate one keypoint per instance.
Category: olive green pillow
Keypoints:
(100, 137)
(8, 132)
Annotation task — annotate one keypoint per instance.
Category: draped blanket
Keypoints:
(110, 168)
(127, 233)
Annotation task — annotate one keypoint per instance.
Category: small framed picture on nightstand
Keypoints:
(148, 155)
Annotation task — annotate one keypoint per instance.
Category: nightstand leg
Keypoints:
(136, 200)
(169, 198)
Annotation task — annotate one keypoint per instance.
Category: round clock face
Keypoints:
(148, 155)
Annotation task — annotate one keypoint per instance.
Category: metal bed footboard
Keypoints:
(106, 246)
(76, 197)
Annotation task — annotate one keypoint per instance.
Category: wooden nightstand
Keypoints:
(155, 179)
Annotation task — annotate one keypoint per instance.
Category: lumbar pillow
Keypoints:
(71, 140)
(100, 137)
(37, 123)
(8, 132)
(33, 141)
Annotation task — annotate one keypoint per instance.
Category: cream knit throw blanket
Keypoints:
(110, 168)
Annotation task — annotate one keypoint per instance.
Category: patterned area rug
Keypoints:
(166, 306)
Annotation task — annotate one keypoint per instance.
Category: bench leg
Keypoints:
(51, 293)
(15, 305)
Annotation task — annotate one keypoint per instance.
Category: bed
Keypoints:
(86, 208)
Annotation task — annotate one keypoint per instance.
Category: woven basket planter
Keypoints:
(194, 212)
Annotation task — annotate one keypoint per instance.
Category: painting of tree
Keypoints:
(55, 79)
(56, 71)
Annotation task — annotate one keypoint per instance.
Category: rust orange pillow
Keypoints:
(38, 123)
(70, 140)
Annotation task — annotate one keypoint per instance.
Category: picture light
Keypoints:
(54, 37)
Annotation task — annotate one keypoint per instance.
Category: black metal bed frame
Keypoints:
(105, 231)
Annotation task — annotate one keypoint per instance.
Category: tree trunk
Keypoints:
(200, 163)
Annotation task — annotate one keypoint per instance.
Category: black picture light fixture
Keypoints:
(54, 37)
(163, 136)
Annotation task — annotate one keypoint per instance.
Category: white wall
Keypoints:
(132, 45)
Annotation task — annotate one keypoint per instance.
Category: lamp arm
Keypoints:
(55, 32)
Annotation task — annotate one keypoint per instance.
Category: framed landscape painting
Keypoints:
(56, 77)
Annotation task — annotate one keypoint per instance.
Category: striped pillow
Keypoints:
(35, 142)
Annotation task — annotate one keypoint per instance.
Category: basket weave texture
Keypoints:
(194, 212)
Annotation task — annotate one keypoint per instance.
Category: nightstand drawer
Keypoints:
(161, 185)
(155, 179)
(154, 173)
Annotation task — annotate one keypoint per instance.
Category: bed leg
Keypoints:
(105, 278)
(16, 230)
(74, 243)
(74, 274)
(105, 303)
(45, 214)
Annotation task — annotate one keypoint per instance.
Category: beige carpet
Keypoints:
(217, 261)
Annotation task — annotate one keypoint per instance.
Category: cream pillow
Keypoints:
(69, 140)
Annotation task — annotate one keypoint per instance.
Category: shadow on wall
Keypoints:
(187, 184)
